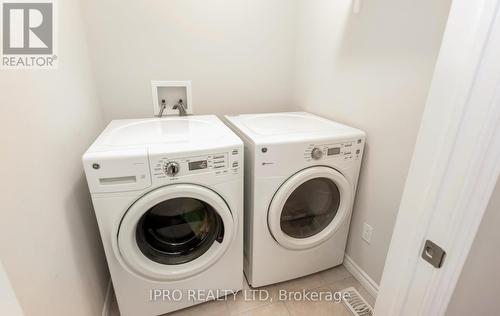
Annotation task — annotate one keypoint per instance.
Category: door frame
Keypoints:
(9, 304)
(454, 168)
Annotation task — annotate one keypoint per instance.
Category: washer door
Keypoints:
(175, 231)
(309, 207)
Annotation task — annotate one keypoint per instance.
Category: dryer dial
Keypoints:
(172, 168)
(316, 153)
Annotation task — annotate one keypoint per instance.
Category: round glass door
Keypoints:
(309, 207)
(179, 230)
(175, 231)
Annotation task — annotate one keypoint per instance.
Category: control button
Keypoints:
(219, 157)
(316, 153)
(96, 166)
(172, 168)
(218, 166)
(219, 161)
(235, 164)
(264, 150)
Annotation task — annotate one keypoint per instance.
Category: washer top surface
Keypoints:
(289, 126)
(172, 133)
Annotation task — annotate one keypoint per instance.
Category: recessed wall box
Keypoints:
(171, 92)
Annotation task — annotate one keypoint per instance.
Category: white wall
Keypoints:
(371, 71)
(237, 53)
(50, 244)
(477, 289)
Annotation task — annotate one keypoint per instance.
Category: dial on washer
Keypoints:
(316, 153)
(172, 168)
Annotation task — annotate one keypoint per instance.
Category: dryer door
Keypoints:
(309, 207)
(175, 231)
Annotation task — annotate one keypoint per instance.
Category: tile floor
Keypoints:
(334, 279)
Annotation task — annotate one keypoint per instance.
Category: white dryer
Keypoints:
(301, 173)
(168, 197)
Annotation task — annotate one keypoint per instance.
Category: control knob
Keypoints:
(316, 153)
(172, 168)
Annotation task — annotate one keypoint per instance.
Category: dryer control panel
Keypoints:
(164, 167)
(346, 150)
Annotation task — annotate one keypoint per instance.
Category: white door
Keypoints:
(454, 168)
(175, 231)
(309, 207)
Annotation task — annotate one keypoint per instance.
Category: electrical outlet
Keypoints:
(367, 233)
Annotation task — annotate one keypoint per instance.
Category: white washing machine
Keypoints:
(168, 197)
(301, 173)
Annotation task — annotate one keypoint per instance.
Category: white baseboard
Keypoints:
(107, 300)
(360, 275)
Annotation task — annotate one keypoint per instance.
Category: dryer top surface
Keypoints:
(290, 126)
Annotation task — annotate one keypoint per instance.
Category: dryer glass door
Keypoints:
(309, 207)
(175, 231)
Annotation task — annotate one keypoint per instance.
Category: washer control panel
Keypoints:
(175, 167)
(347, 150)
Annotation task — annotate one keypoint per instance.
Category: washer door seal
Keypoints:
(309, 207)
(175, 232)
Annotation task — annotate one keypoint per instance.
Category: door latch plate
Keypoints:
(433, 254)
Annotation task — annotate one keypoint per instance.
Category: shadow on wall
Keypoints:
(86, 240)
(385, 53)
(371, 70)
